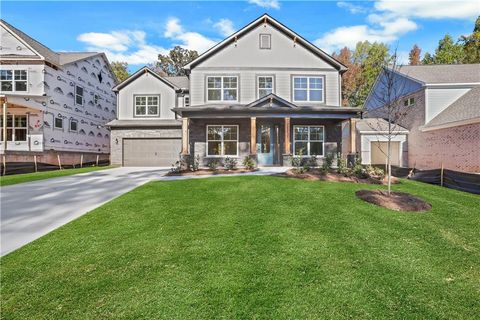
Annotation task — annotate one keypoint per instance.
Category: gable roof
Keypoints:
(172, 82)
(180, 82)
(265, 18)
(442, 73)
(270, 101)
(465, 108)
(55, 58)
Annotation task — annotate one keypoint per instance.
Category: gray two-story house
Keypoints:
(264, 91)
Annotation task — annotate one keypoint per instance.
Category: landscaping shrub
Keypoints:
(342, 165)
(214, 164)
(249, 163)
(193, 162)
(230, 163)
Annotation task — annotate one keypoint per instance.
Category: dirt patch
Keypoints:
(333, 176)
(208, 172)
(398, 201)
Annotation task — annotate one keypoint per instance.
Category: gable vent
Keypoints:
(265, 41)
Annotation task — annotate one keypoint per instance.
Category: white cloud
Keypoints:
(225, 26)
(352, 8)
(189, 40)
(127, 45)
(269, 4)
(385, 31)
(435, 9)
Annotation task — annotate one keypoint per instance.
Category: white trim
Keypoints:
(222, 151)
(450, 124)
(454, 84)
(14, 34)
(308, 140)
(146, 96)
(308, 89)
(222, 88)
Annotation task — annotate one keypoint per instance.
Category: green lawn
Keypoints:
(27, 177)
(253, 248)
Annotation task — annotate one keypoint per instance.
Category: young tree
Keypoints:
(414, 56)
(449, 52)
(387, 103)
(471, 44)
(120, 69)
(172, 63)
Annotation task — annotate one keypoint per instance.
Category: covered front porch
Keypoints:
(271, 132)
(21, 123)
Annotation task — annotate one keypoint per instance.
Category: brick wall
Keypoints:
(458, 148)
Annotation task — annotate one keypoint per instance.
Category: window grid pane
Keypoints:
(222, 140)
(309, 140)
(308, 89)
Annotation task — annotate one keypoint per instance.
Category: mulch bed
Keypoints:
(398, 201)
(209, 172)
(332, 176)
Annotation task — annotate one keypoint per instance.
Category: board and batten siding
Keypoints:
(146, 84)
(246, 60)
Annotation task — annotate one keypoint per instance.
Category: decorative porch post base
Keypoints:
(286, 160)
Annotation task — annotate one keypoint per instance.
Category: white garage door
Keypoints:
(151, 152)
(379, 152)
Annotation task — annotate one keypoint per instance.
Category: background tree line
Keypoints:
(364, 62)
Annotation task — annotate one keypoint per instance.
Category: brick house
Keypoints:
(442, 104)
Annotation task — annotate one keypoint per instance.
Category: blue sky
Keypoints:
(136, 32)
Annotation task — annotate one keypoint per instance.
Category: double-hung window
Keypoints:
(79, 95)
(309, 89)
(147, 106)
(58, 123)
(308, 140)
(222, 88)
(13, 80)
(16, 128)
(73, 125)
(222, 140)
(265, 86)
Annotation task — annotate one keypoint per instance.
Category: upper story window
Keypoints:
(79, 95)
(222, 88)
(13, 80)
(147, 106)
(308, 89)
(409, 102)
(186, 101)
(265, 85)
(73, 125)
(265, 41)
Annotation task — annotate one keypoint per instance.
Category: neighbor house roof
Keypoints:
(378, 125)
(55, 58)
(464, 110)
(443, 73)
(176, 83)
(265, 18)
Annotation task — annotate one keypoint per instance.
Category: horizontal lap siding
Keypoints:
(248, 84)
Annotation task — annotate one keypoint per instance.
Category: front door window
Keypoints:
(265, 147)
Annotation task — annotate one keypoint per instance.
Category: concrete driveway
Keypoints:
(31, 210)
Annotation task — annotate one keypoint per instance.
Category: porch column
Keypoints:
(5, 125)
(185, 136)
(253, 135)
(353, 135)
(287, 136)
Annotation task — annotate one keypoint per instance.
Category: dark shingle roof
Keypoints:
(443, 73)
(179, 81)
(464, 108)
(56, 58)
